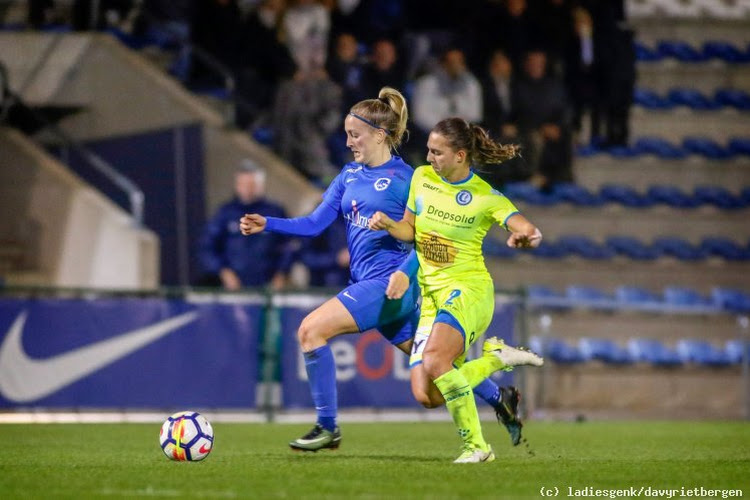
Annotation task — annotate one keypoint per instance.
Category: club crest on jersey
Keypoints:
(463, 197)
(382, 184)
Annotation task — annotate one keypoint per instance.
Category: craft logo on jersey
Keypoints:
(437, 250)
(382, 184)
(463, 197)
(357, 219)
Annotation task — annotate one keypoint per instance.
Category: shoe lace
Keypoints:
(314, 432)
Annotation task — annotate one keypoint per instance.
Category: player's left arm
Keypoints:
(523, 234)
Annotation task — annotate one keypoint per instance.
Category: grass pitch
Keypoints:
(375, 461)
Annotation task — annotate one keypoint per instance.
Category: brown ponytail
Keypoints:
(479, 146)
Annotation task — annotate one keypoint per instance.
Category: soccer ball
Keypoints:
(186, 436)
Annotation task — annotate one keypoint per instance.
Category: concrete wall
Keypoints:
(72, 236)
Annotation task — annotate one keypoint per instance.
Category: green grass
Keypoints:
(375, 461)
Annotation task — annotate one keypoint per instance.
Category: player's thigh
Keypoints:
(444, 345)
(328, 320)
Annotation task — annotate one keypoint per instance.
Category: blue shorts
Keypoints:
(396, 320)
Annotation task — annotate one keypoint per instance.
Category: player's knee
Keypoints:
(424, 399)
(309, 335)
(434, 366)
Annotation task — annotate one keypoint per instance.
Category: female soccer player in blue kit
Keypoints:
(375, 181)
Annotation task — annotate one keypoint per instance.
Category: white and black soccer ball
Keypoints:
(186, 436)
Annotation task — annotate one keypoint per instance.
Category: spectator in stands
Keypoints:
(553, 24)
(326, 256)
(306, 24)
(215, 29)
(90, 15)
(232, 261)
(450, 90)
(383, 69)
(541, 108)
(306, 111)
(583, 77)
(345, 68)
(517, 30)
(265, 61)
(497, 92)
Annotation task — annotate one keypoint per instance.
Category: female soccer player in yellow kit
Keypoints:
(448, 213)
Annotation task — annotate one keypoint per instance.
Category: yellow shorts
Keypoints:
(467, 307)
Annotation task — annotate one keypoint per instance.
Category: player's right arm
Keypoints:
(402, 230)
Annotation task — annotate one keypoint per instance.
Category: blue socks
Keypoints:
(488, 391)
(321, 374)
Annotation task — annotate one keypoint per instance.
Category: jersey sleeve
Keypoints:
(335, 192)
(501, 208)
(411, 202)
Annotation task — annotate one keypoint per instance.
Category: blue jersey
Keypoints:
(358, 192)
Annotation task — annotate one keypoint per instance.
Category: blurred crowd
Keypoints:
(547, 74)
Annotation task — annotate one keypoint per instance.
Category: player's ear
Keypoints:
(460, 156)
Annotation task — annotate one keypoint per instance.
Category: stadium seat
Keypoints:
(624, 195)
(679, 50)
(738, 99)
(692, 99)
(725, 51)
(646, 54)
(634, 295)
(718, 196)
(702, 353)
(652, 351)
(631, 247)
(735, 350)
(498, 248)
(588, 296)
(705, 147)
(561, 352)
(603, 350)
(542, 296)
(576, 194)
(730, 299)
(550, 250)
(650, 99)
(724, 248)
(585, 247)
(686, 298)
(659, 147)
(671, 195)
(745, 196)
(529, 193)
(678, 248)
(623, 151)
(739, 146)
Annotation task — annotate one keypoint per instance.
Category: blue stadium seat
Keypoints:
(692, 99)
(718, 196)
(739, 145)
(685, 298)
(738, 99)
(631, 247)
(588, 296)
(706, 147)
(576, 194)
(730, 299)
(725, 51)
(735, 350)
(745, 196)
(646, 54)
(624, 195)
(702, 353)
(652, 351)
(498, 248)
(724, 248)
(636, 296)
(561, 352)
(544, 296)
(650, 99)
(680, 51)
(550, 250)
(585, 247)
(671, 195)
(527, 192)
(678, 247)
(603, 350)
(588, 150)
(659, 147)
(264, 135)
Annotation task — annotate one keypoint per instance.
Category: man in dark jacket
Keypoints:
(232, 260)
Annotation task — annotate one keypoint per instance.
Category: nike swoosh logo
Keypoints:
(350, 180)
(346, 294)
(23, 379)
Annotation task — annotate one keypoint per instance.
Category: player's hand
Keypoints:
(252, 224)
(398, 284)
(522, 240)
(229, 279)
(380, 221)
